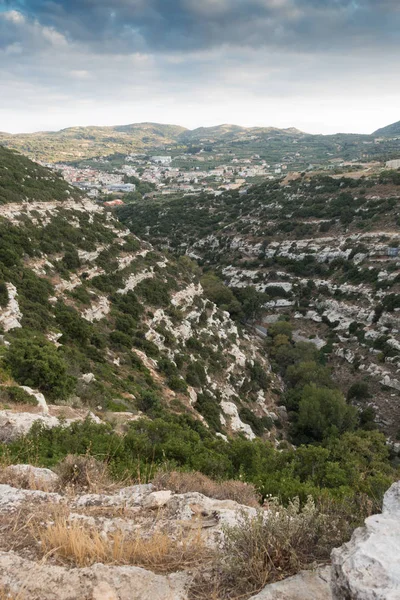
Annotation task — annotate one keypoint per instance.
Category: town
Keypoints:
(119, 179)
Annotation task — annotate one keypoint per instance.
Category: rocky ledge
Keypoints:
(365, 568)
(368, 566)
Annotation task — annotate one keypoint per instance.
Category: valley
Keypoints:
(183, 375)
(325, 252)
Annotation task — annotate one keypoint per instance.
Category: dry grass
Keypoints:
(5, 595)
(82, 545)
(84, 474)
(181, 483)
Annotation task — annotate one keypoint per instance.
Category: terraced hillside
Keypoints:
(94, 319)
(326, 252)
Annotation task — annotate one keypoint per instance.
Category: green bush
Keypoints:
(36, 363)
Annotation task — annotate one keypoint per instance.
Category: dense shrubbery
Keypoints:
(21, 178)
(35, 362)
(343, 467)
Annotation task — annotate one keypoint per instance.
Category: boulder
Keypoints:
(368, 566)
(157, 499)
(11, 498)
(306, 585)
(41, 581)
(35, 477)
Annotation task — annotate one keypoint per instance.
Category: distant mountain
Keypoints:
(388, 131)
(233, 133)
(86, 142)
(296, 148)
(75, 143)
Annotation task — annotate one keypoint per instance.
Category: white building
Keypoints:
(162, 160)
(393, 164)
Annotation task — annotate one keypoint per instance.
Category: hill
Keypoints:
(392, 130)
(296, 149)
(324, 250)
(23, 180)
(86, 142)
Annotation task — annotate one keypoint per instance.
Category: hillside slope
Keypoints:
(96, 319)
(388, 131)
(326, 253)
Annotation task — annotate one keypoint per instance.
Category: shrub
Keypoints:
(209, 408)
(273, 546)
(36, 363)
(83, 473)
(359, 391)
(154, 291)
(196, 375)
(17, 395)
(323, 412)
(177, 384)
(3, 294)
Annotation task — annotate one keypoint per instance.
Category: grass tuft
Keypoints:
(82, 545)
(183, 482)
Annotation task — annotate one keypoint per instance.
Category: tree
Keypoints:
(323, 412)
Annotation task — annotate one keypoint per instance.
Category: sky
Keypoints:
(322, 66)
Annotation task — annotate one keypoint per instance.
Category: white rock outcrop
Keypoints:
(306, 585)
(10, 316)
(368, 566)
(40, 581)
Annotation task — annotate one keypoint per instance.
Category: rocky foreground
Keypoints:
(48, 541)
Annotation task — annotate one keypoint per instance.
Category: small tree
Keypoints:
(323, 412)
(36, 363)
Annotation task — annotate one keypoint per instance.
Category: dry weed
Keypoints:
(82, 545)
(274, 545)
(84, 473)
(182, 482)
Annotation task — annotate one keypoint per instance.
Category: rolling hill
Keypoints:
(392, 130)
(273, 144)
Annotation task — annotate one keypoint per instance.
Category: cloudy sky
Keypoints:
(320, 65)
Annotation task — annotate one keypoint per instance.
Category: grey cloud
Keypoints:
(168, 25)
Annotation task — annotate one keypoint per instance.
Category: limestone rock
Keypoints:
(103, 591)
(11, 498)
(37, 478)
(157, 499)
(41, 400)
(368, 567)
(40, 581)
(306, 585)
